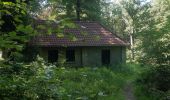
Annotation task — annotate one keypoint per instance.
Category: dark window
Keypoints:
(52, 56)
(70, 55)
(105, 57)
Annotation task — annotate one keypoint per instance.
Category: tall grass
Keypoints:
(40, 81)
(90, 83)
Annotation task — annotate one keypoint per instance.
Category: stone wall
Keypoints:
(89, 56)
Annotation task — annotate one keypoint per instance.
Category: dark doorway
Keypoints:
(70, 55)
(52, 56)
(105, 57)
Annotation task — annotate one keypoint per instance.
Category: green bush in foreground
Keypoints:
(154, 83)
(39, 81)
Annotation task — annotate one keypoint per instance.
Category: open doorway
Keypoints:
(52, 56)
(105, 57)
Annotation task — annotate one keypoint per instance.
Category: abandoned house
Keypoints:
(91, 45)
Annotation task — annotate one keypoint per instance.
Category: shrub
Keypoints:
(42, 82)
(155, 81)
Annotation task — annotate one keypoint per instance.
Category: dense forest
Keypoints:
(144, 24)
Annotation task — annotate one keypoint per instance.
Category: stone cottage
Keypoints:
(90, 45)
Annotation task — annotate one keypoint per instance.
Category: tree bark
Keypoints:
(78, 10)
(132, 47)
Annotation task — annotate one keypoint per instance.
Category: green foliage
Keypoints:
(39, 81)
(155, 82)
(155, 42)
(61, 9)
(89, 83)
(157, 78)
(15, 30)
(156, 52)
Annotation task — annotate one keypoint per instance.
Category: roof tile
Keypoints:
(89, 34)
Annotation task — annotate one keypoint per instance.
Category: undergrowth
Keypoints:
(38, 81)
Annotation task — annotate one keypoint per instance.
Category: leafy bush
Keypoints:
(90, 83)
(155, 81)
(42, 82)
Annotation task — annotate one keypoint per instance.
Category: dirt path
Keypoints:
(128, 92)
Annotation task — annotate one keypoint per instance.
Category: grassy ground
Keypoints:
(40, 81)
(137, 89)
(115, 83)
(131, 72)
(95, 83)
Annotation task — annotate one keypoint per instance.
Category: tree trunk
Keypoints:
(132, 47)
(78, 10)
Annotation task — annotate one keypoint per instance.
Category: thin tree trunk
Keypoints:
(132, 47)
(78, 10)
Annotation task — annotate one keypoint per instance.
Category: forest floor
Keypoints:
(128, 92)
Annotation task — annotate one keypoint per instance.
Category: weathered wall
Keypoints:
(123, 54)
(92, 55)
(62, 55)
(89, 56)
